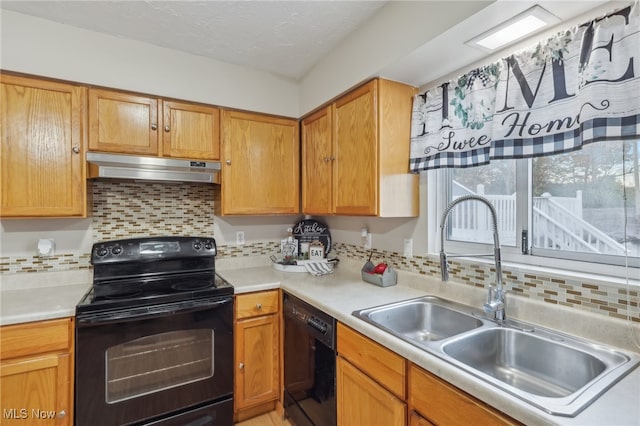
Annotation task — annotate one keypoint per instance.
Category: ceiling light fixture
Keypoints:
(520, 26)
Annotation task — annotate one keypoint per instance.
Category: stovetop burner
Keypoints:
(124, 294)
(191, 285)
(100, 299)
(141, 272)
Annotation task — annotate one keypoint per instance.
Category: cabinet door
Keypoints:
(416, 419)
(355, 141)
(362, 401)
(122, 123)
(42, 148)
(317, 163)
(257, 361)
(442, 403)
(190, 131)
(260, 164)
(36, 390)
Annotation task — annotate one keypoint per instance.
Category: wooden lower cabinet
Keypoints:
(36, 371)
(376, 386)
(370, 381)
(442, 404)
(416, 419)
(362, 401)
(257, 353)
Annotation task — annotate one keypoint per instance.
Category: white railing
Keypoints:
(472, 221)
(558, 228)
(557, 223)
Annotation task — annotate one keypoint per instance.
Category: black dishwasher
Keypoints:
(309, 364)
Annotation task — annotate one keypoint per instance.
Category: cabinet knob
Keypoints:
(241, 365)
(327, 159)
(61, 414)
(75, 150)
(167, 128)
(332, 158)
(259, 306)
(228, 162)
(154, 126)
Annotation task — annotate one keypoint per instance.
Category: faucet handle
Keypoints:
(491, 294)
(444, 266)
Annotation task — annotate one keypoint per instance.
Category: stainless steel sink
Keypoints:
(555, 372)
(421, 320)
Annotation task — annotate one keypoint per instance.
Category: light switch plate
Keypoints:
(240, 238)
(408, 247)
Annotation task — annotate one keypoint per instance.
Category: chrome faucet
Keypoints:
(496, 300)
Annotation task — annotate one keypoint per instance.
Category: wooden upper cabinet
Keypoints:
(357, 149)
(42, 151)
(128, 123)
(190, 131)
(123, 123)
(260, 164)
(317, 157)
(355, 141)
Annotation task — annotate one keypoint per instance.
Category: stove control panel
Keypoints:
(152, 248)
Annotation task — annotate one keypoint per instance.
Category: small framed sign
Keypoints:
(316, 250)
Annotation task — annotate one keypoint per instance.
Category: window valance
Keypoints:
(578, 87)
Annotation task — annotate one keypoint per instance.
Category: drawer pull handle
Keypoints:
(241, 365)
(62, 413)
(154, 126)
(259, 306)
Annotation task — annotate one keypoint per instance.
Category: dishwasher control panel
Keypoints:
(306, 315)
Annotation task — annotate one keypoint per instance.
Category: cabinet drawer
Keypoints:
(378, 362)
(442, 403)
(254, 304)
(35, 338)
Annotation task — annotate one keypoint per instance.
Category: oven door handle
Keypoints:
(143, 313)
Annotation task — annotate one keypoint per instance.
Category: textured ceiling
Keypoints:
(283, 37)
(288, 38)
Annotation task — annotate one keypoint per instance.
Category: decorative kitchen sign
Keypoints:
(310, 230)
(316, 250)
(573, 89)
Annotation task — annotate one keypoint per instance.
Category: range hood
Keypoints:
(118, 166)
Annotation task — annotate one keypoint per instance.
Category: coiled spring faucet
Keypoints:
(496, 300)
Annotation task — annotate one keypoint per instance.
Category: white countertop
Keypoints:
(343, 292)
(41, 296)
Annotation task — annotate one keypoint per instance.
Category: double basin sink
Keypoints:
(555, 372)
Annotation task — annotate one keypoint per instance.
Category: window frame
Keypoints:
(440, 184)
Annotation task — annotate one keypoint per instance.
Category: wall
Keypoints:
(395, 31)
(41, 47)
(127, 209)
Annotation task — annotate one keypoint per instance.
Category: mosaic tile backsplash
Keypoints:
(598, 298)
(128, 209)
(124, 209)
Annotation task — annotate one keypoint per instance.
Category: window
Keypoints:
(568, 206)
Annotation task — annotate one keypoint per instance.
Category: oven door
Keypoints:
(142, 364)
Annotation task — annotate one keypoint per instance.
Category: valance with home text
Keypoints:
(578, 87)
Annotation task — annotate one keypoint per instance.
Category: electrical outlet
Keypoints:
(408, 247)
(240, 238)
(367, 242)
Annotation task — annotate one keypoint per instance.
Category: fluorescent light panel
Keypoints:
(514, 29)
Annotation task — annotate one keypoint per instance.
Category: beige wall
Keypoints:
(395, 31)
(37, 46)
